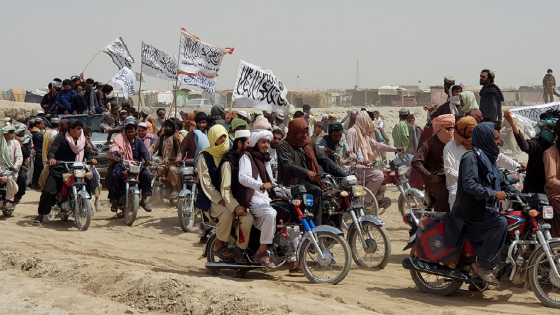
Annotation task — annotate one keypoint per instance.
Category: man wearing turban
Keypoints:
(188, 148)
(428, 161)
(11, 157)
(167, 146)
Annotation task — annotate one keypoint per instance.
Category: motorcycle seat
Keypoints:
(334, 192)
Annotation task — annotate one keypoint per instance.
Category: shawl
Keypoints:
(331, 144)
(148, 139)
(470, 101)
(440, 124)
(261, 123)
(483, 139)
(122, 146)
(299, 125)
(364, 128)
(460, 128)
(217, 151)
(4, 153)
(78, 147)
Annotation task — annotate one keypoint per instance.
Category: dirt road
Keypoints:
(152, 267)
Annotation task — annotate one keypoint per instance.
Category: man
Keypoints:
(10, 157)
(24, 141)
(243, 115)
(209, 198)
(535, 178)
(229, 173)
(167, 146)
(350, 119)
(128, 147)
(103, 94)
(277, 136)
(218, 114)
(160, 119)
(474, 215)
(551, 159)
(63, 102)
(414, 135)
(299, 159)
(255, 177)
(79, 102)
(37, 139)
(236, 125)
(452, 106)
(334, 142)
(491, 98)
(148, 137)
(71, 147)
(549, 83)
(309, 118)
(188, 147)
(448, 82)
(378, 121)
(469, 106)
(400, 132)
(318, 132)
(48, 100)
(145, 113)
(109, 119)
(428, 161)
(55, 124)
(280, 122)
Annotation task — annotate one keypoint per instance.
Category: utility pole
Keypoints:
(357, 73)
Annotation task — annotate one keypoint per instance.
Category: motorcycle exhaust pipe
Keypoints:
(412, 263)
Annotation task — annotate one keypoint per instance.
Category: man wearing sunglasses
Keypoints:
(428, 161)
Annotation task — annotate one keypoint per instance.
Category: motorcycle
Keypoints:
(130, 199)
(185, 204)
(73, 197)
(5, 173)
(530, 253)
(322, 252)
(160, 185)
(368, 239)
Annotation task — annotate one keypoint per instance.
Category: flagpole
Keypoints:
(91, 61)
(177, 80)
(140, 93)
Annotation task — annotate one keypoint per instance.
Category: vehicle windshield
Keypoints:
(89, 122)
(195, 101)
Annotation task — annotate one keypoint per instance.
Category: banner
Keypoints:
(530, 115)
(157, 63)
(120, 54)
(259, 87)
(126, 79)
(205, 83)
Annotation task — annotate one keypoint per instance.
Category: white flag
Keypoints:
(157, 63)
(120, 54)
(126, 79)
(530, 116)
(259, 87)
(200, 61)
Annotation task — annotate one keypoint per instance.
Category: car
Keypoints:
(407, 102)
(198, 103)
(98, 139)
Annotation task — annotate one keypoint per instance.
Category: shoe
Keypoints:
(486, 275)
(174, 195)
(114, 205)
(38, 220)
(384, 203)
(145, 205)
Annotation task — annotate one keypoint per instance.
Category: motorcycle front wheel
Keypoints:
(376, 251)
(130, 212)
(82, 212)
(186, 213)
(414, 201)
(335, 265)
(545, 285)
(434, 284)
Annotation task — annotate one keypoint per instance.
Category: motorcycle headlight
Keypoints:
(402, 170)
(358, 191)
(79, 173)
(308, 200)
(66, 177)
(189, 170)
(547, 212)
(134, 169)
(349, 180)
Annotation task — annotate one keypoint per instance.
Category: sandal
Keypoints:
(224, 253)
(264, 259)
(145, 206)
(240, 257)
(38, 220)
(486, 275)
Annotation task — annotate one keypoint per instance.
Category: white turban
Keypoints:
(258, 135)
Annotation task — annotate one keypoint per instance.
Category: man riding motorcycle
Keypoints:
(167, 146)
(129, 147)
(474, 214)
(10, 156)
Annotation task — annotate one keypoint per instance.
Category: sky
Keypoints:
(396, 42)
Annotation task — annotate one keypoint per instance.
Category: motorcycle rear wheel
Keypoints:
(434, 284)
(82, 212)
(211, 256)
(130, 212)
(545, 287)
(379, 242)
(186, 213)
(332, 246)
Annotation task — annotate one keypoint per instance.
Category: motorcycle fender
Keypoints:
(551, 241)
(134, 190)
(328, 228)
(84, 194)
(184, 193)
(373, 219)
(411, 242)
(415, 192)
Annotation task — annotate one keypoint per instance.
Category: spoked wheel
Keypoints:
(211, 256)
(130, 212)
(414, 201)
(370, 208)
(434, 284)
(336, 261)
(545, 284)
(186, 213)
(376, 251)
(82, 212)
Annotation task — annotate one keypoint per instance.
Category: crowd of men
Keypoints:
(455, 158)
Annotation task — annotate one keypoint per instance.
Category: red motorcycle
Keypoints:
(530, 253)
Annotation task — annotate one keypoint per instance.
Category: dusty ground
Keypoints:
(153, 267)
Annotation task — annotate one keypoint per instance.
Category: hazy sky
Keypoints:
(397, 42)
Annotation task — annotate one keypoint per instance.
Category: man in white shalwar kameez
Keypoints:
(255, 177)
(11, 157)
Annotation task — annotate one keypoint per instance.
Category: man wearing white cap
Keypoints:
(229, 171)
(11, 157)
(255, 177)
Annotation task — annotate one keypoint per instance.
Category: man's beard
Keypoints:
(273, 145)
(482, 82)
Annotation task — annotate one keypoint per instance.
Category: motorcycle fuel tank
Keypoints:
(516, 221)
